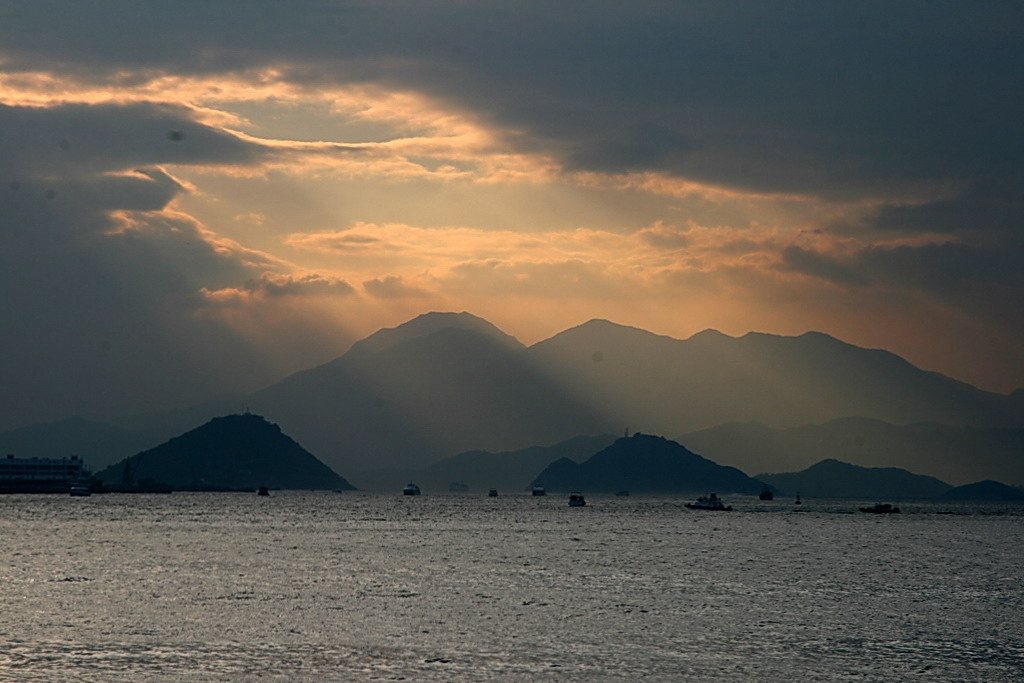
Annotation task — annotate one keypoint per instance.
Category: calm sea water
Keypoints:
(354, 586)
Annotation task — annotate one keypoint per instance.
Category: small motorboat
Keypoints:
(880, 508)
(492, 493)
(411, 489)
(539, 491)
(263, 491)
(80, 490)
(622, 494)
(576, 500)
(709, 502)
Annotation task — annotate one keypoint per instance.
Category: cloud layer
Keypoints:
(184, 185)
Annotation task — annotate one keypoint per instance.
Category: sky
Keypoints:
(200, 197)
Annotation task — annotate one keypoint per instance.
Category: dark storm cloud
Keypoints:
(994, 206)
(90, 138)
(815, 97)
(830, 99)
(941, 269)
(819, 265)
(101, 287)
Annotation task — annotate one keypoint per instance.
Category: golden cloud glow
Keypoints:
(453, 145)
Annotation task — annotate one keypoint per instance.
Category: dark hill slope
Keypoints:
(956, 454)
(645, 464)
(834, 479)
(984, 490)
(231, 452)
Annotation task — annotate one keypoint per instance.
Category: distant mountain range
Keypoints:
(510, 471)
(958, 454)
(232, 452)
(447, 383)
(985, 490)
(834, 479)
(645, 464)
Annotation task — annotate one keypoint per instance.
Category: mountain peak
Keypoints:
(240, 451)
(601, 332)
(428, 324)
(710, 335)
(645, 463)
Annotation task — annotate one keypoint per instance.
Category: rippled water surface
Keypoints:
(354, 586)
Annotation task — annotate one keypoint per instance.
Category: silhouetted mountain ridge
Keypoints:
(668, 385)
(428, 324)
(831, 478)
(445, 383)
(986, 490)
(231, 452)
(957, 454)
(645, 464)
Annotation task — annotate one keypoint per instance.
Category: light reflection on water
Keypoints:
(323, 586)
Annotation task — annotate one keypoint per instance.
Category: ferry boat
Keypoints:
(41, 475)
(709, 502)
(576, 500)
(880, 508)
(411, 490)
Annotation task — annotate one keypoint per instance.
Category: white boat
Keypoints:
(411, 490)
(576, 500)
(709, 502)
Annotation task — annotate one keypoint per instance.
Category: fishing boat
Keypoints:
(709, 502)
(880, 508)
(263, 491)
(576, 500)
(493, 493)
(766, 494)
(411, 489)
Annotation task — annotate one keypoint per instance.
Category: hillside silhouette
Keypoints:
(644, 463)
(954, 453)
(446, 383)
(231, 452)
(834, 479)
(986, 490)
